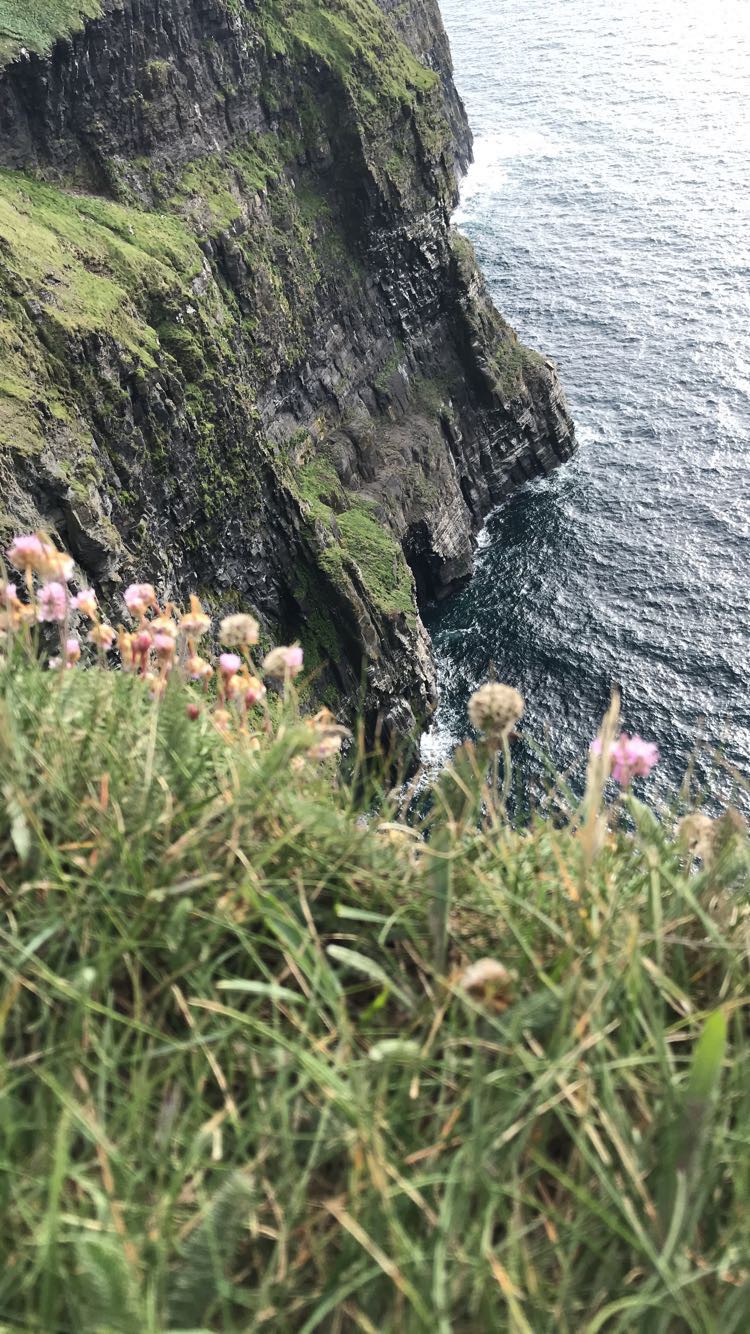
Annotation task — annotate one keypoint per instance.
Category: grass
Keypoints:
(36, 24)
(241, 1092)
(356, 537)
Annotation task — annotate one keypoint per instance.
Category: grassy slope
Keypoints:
(35, 24)
(239, 1094)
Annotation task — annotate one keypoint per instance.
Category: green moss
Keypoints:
(509, 360)
(36, 24)
(357, 535)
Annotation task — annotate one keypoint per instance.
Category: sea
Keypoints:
(609, 204)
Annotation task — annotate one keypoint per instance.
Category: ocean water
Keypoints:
(609, 204)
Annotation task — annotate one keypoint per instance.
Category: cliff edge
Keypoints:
(241, 347)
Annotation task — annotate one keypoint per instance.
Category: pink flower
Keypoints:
(55, 664)
(138, 598)
(26, 552)
(229, 664)
(630, 757)
(141, 643)
(53, 602)
(8, 594)
(198, 669)
(283, 662)
(85, 602)
(72, 651)
(164, 644)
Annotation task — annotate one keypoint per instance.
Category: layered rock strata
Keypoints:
(243, 351)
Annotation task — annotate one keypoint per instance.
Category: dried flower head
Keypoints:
(494, 709)
(489, 981)
(254, 691)
(138, 598)
(198, 669)
(195, 623)
(696, 831)
(72, 651)
(53, 602)
(103, 636)
(55, 564)
(324, 749)
(284, 662)
(239, 631)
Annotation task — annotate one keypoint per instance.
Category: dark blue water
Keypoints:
(610, 207)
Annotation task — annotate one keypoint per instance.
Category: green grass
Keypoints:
(36, 24)
(239, 1093)
(356, 537)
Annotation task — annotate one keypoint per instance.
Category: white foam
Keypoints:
(492, 153)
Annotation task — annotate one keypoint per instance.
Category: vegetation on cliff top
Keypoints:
(36, 24)
(285, 1049)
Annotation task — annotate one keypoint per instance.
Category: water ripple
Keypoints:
(610, 207)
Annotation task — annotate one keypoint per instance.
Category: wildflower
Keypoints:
(239, 631)
(72, 651)
(229, 663)
(55, 564)
(164, 645)
(164, 625)
(26, 552)
(103, 636)
(53, 602)
(234, 686)
(328, 746)
(55, 664)
(222, 718)
(696, 831)
(125, 647)
(489, 981)
(156, 685)
(494, 709)
(198, 668)
(85, 602)
(193, 712)
(283, 662)
(254, 692)
(195, 623)
(9, 594)
(142, 643)
(138, 598)
(629, 757)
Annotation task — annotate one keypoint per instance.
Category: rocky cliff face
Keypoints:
(242, 348)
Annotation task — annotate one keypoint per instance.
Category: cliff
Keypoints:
(241, 345)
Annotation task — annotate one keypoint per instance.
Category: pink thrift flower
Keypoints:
(139, 597)
(229, 664)
(8, 594)
(72, 651)
(53, 602)
(26, 552)
(630, 757)
(164, 644)
(85, 602)
(294, 658)
(141, 643)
